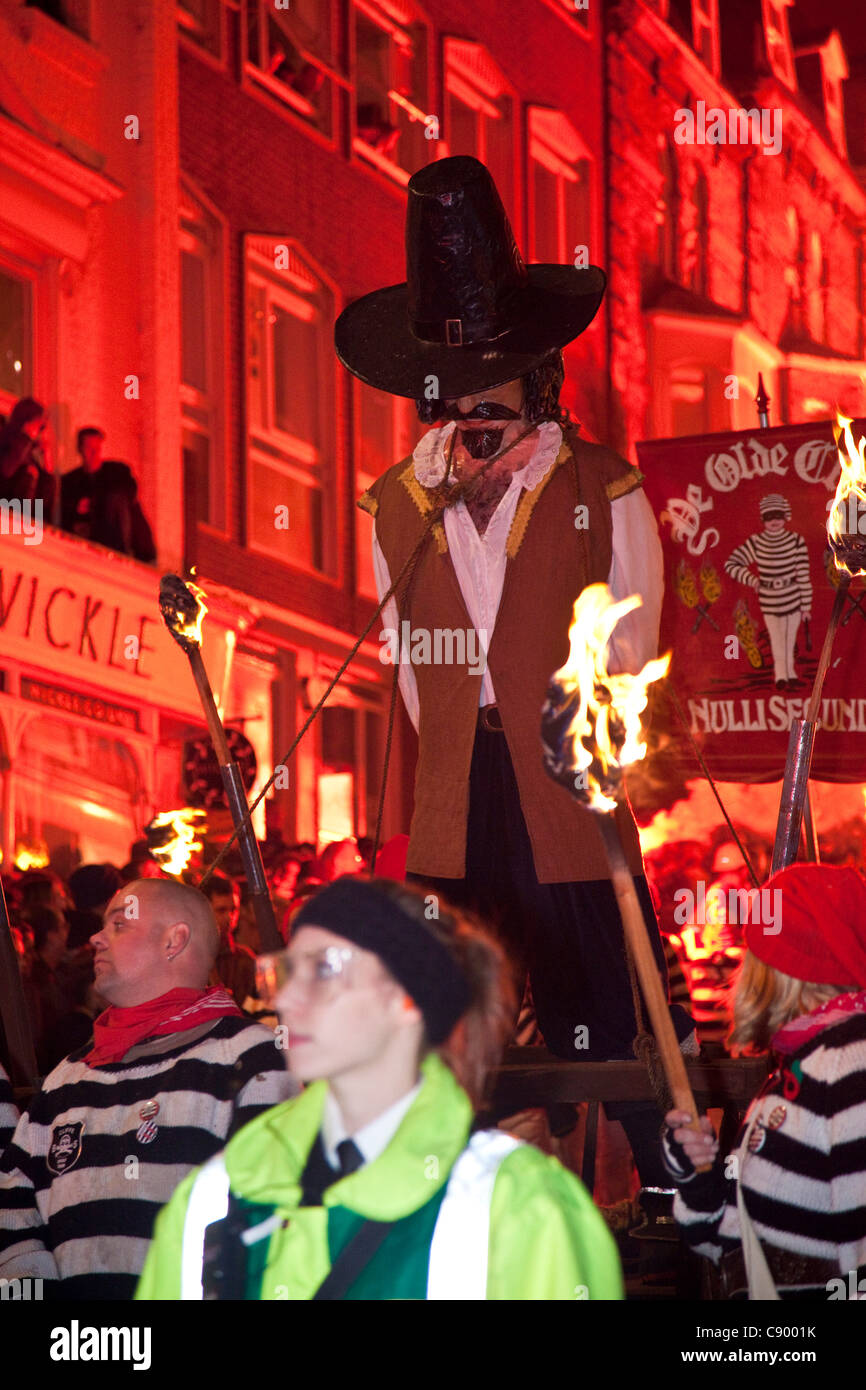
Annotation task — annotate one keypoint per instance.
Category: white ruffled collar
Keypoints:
(430, 456)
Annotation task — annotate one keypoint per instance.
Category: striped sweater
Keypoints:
(100, 1150)
(805, 1188)
(782, 581)
(8, 1111)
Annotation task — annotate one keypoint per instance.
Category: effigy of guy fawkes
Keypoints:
(493, 527)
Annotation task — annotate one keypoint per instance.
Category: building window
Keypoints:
(76, 788)
(560, 189)
(290, 405)
(817, 275)
(391, 91)
(688, 398)
(795, 272)
(201, 21)
(834, 71)
(779, 40)
(202, 385)
(576, 9)
(292, 53)
(695, 241)
(350, 768)
(74, 14)
(384, 436)
(705, 32)
(16, 337)
(667, 212)
(479, 113)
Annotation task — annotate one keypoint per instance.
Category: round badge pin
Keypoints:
(777, 1117)
(148, 1110)
(757, 1139)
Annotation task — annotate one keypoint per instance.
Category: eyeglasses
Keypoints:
(323, 973)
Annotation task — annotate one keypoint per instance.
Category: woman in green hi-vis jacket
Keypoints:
(368, 1185)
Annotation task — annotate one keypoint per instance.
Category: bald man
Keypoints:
(174, 1069)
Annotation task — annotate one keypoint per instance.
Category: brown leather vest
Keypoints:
(550, 560)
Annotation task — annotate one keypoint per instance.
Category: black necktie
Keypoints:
(350, 1156)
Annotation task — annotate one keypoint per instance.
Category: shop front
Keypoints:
(90, 682)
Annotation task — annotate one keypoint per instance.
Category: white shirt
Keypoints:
(480, 561)
(373, 1139)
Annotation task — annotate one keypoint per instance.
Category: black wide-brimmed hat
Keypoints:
(471, 314)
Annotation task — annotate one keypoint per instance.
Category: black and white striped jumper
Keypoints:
(805, 1189)
(8, 1111)
(90, 1165)
(782, 580)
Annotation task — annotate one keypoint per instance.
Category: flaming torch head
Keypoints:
(171, 836)
(590, 724)
(182, 608)
(846, 526)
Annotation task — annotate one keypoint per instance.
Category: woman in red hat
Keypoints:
(784, 1215)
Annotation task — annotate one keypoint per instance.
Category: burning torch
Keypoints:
(848, 547)
(171, 838)
(183, 610)
(591, 731)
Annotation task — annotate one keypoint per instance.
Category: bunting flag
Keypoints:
(749, 585)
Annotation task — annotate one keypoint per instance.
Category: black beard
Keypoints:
(481, 444)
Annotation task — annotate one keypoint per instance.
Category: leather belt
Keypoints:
(489, 719)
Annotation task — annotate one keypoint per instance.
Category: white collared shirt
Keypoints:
(480, 561)
(374, 1138)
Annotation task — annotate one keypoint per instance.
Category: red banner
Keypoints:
(749, 585)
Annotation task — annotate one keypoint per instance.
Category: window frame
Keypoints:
(17, 268)
(402, 417)
(291, 464)
(277, 96)
(705, 19)
(185, 30)
(785, 70)
(566, 10)
(456, 70)
(218, 335)
(567, 148)
(376, 12)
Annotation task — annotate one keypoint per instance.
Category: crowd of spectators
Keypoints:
(54, 918)
(97, 500)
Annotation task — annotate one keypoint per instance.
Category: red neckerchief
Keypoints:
(801, 1030)
(116, 1030)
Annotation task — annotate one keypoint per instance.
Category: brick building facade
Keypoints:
(725, 260)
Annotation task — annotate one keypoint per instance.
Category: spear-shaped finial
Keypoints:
(762, 401)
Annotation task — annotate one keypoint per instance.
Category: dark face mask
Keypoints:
(484, 410)
(480, 444)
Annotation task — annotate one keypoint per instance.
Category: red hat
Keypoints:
(821, 934)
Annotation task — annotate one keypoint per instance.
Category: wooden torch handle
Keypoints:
(648, 974)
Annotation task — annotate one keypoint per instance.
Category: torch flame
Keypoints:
(603, 734)
(172, 850)
(31, 856)
(846, 535)
(182, 606)
(191, 628)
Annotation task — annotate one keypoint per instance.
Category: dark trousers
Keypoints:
(568, 936)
